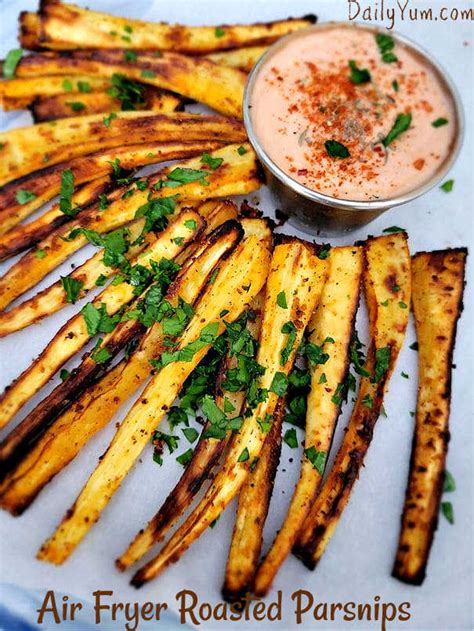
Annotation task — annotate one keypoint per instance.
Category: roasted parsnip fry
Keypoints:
(14, 238)
(76, 333)
(242, 58)
(252, 511)
(49, 108)
(238, 281)
(16, 94)
(332, 320)
(29, 30)
(387, 288)
(24, 148)
(206, 455)
(237, 175)
(197, 78)
(62, 25)
(45, 184)
(53, 298)
(437, 289)
(296, 270)
(92, 410)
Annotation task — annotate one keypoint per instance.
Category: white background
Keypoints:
(358, 561)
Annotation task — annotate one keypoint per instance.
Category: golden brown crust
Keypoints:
(438, 283)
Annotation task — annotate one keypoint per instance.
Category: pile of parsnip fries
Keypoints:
(199, 301)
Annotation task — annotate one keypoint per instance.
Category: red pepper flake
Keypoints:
(419, 164)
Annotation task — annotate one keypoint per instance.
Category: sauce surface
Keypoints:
(351, 115)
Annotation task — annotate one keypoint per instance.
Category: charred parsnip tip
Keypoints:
(24, 148)
(50, 108)
(16, 94)
(80, 328)
(43, 185)
(387, 285)
(237, 174)
(242, 58)
(438, 284)
(60, 26)
(97, 405)
(219, 87)
(238, 281)
(92, 272)
(331, 328)
(296, 270)
(252, 511)
(205, 457)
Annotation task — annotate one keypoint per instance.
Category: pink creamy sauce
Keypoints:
(303, 96)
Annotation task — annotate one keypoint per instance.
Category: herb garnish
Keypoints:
(11, 62)
(448, 511)
(241, 150)
(382, 363)
(281, 300)
(289, 329)
(129, 56)
(128, 92)
(76, 106)
(40, 254)
(448, 186)
(449, 482)
(402, 123)
(358, 75)
(317, 458)
(391, 229)
(439, 122)
(97, 319)
(219, 32)
(185, 458)
(244, 456)
(24, 197)
(84, 86)
(279, 384)
(72, 287)
(386, 44)
(290, 438)
(212, 163)
(336, 149)
(65, 194)
(107, 120)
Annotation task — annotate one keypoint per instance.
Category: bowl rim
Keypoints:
(347, 204)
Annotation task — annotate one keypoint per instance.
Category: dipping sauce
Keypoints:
(352, 113)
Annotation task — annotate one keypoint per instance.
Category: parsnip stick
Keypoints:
(67, 25)
(242, 58)
(438, 283)
(387, 288)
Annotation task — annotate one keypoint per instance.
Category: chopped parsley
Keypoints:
(184, 175)
(382, 363)
(336, 149)
(72, 287)
(358, 75)
(402, 123)
(391, 229)
(357, 356)
(368, 402)
(100, 354)
(449, 482)
(76, 106)
(324, 251)
(281, 300)
(148, 74)
(65, 194)
(244, 456)
(64, 374)
(129, 56)
(190, 434)
(130, 93)
(448, 511)
(190, 224)
(291, 331)
(219, 32)
(212, 163)
(448, 186)
(84, 86)
(395, 85)
(290, 438)
(97, 319)
(338, 396)
(67, 85)
(40, 254)
(440, 122)
(279, 384)
(402, 305)
(317, 458)
(185, 458)
(241, 150)
(11, 62)
(107, 120)
(386, 44)
(155, 211)
(24, 197)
